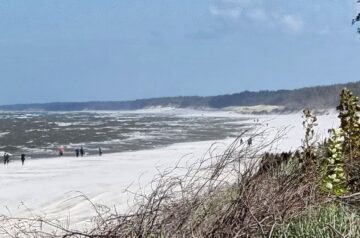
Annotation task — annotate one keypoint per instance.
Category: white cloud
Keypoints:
(225, 12)
(321, 17)
(258, 12)
(292, 23)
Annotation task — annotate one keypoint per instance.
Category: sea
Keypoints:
(41, 134)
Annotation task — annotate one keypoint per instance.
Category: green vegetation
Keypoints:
(331, 220)
(350, 124)
(339, 168)
(349, 110)
(334, 179)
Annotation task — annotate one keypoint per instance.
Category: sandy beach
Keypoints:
(51, 187)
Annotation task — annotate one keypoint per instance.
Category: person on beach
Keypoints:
(100, 151)
(82, 152)
(6, 158)
(22, 159)
(77, 152)
(61, 151)
(249, 141)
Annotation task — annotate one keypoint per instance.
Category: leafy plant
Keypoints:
(334, 179)
(309, 142)
(357, 19)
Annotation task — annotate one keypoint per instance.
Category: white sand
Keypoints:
(49, 186)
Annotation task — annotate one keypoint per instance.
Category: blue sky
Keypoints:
(82, 50)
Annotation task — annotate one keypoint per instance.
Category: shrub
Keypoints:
(350, 124)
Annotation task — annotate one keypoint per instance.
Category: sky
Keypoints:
(108, 50)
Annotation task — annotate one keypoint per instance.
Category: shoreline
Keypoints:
(120, 137)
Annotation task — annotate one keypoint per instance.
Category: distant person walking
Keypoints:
(249, 141)
(6, 158)
(22, 159)
(61, 151)
(82, 152)
(100, 151)
(77, 152)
